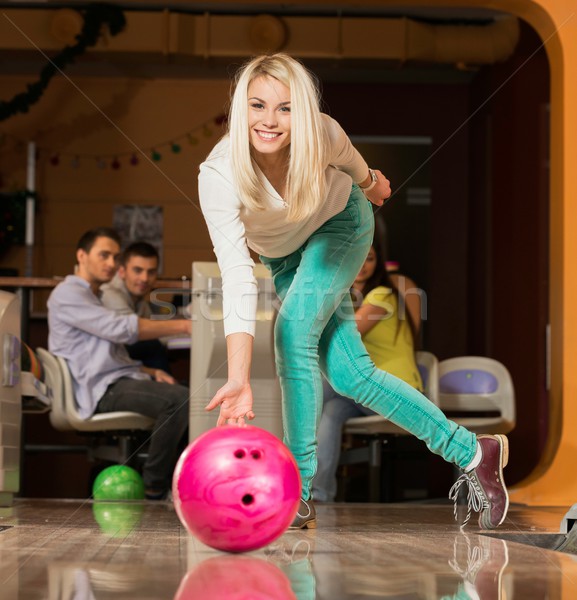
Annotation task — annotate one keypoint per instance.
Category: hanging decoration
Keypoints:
(95, 16)
(116, 160)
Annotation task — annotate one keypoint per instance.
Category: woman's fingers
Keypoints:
(217, 399)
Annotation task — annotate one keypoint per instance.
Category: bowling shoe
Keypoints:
(481, 561)
(306, 517)
(487, 493)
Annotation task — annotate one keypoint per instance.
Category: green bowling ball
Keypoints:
(118, 482)
(117, 519)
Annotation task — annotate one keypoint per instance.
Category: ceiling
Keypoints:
(26, 63)
(295, 7)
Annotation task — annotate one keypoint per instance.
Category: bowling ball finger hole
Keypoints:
(240, 454)
(247, 499)
(256, 454)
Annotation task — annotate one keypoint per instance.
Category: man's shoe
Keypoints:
(487, 493)
(306, 517)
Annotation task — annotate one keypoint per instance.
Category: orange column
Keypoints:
(554, 481)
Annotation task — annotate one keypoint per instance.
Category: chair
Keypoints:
(380, 431)
(477, 392)
(64, 415)
(428, 366)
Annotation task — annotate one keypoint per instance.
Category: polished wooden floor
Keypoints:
(74, 550)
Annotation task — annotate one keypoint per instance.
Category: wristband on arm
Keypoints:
(371, 185)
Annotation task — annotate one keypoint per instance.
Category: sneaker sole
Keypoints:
(484, 518)
(505, 445)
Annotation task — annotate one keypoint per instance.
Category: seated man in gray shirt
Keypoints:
(127, 293)
(92, 339)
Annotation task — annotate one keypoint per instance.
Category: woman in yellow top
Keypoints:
(388, 320)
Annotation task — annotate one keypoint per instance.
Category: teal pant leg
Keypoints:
(351, 373)
(315, 330)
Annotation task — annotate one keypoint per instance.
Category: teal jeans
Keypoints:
(316, 334)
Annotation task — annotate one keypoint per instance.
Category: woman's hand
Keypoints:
(235, 400)
(381, 191)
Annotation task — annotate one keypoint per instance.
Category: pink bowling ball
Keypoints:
(235, 578)
(236, 488)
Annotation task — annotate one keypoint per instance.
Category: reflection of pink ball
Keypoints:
(236, 488)
(235, 578)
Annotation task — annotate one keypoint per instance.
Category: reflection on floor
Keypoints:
(64, 550)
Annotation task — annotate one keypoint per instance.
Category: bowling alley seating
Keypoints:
(477, 392)
(111, 433)
(208, 355)
(379, 433)
(36, 395)
(474, 391)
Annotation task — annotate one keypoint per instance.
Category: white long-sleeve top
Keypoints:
(234, 229)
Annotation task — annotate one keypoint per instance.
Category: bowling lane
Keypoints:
(56, 549)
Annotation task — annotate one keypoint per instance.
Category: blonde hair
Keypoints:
(305, 181)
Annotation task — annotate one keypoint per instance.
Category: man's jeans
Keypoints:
(166, 403)
(315, 332)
